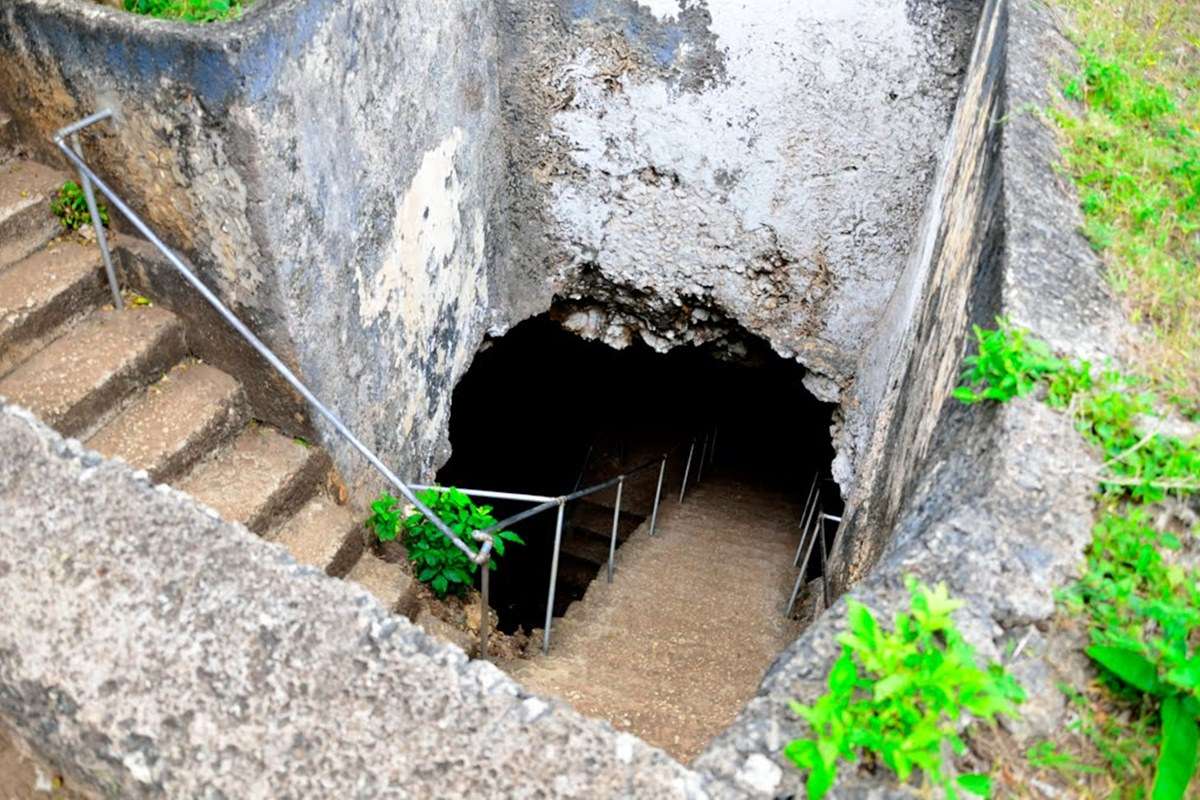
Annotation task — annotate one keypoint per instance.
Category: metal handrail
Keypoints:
(545, 503)
(814, 513)
(89, 179)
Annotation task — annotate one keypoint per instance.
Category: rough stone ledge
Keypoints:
(149, 649)
(1001, 510)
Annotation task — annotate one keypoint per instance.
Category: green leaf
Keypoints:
(976, 784)
(1129, 666)
(1177, 755)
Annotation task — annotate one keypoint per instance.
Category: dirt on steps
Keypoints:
(678, 643)
(189, 412)
(77, 378)
(259, 476)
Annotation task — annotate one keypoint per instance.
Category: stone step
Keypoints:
(26, 223)
(175, 422)
(42, 292)
(586, 546)
(588, 516)
(259, 479)
(391, 584)
(324, 535)
(74, 382)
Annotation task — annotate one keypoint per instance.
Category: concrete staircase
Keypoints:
(126, 384)
(678, 643)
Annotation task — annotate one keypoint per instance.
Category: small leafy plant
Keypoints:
(70, 206)
(898, 697)
(436, 561)
(1144, 621)
(1008, 365)
(188, 10)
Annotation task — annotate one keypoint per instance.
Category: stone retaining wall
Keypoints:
(149, 649)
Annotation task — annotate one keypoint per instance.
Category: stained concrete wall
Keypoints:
(374, 186)
(331, 169)
(682, 166)
(149, 649)
(995, 501)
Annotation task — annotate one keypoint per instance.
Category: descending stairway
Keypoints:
(586, 538)
(126, 384)
(678, 643)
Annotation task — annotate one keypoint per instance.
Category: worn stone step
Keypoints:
(587, 546)
(392, 585)
(175, 422)
(75, 381)
(324, 535)
(259, 479)
(26, 223)
(588, 516)
(38, 294)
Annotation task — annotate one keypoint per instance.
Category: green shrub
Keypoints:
(70, 206)
(898, 697)
(188, 10)
(436, 561)
(1143, 616)
(1141, 607)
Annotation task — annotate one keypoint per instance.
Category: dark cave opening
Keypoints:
(543, 411)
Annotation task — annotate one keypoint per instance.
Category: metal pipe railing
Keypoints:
(482, 557)
(687, 469)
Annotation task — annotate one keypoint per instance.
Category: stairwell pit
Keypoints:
(544, 411)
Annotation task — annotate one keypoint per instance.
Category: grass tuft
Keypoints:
(1131, 128)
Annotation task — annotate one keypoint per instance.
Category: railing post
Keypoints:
(686, 470)
(662, 471)
(795, 593)
(612, 542)
(98, 226)
(824, 564)
(712, 451)
(703, 455)
(484, 613)
(812, 540)
(553, 580)
(809, 506)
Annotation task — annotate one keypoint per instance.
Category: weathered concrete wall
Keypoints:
(679, 165)
(375, 185)
(993, 500)
(148, 649)
(331, 169)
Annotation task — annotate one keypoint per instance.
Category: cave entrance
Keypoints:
(544, 411)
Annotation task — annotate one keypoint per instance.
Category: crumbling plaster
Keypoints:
(679, 167)
(376, 185)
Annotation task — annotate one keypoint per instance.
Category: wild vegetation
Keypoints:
(898, 698)
(189, 10)
(1136, 727)
(435, 559)
(1130, 125)
(70, 206)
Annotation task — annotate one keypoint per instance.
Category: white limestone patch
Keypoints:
(424, 233)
